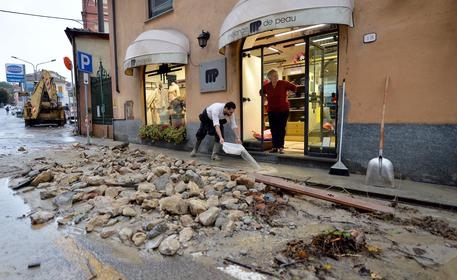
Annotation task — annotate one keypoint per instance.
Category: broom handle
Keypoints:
(340, 144)
(381, 138)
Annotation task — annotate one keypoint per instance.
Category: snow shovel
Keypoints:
(380, 171)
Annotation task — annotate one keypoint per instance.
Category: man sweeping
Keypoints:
(212, 121)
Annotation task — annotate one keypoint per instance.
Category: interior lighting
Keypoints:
(300, 29)
(323, 39)
(300, 44)
(328, 44)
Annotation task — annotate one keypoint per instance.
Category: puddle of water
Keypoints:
(238, 272)
(12, 206)
(22, 244)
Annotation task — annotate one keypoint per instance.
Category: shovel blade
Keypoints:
(380, 173)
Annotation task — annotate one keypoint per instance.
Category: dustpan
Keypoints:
(239, 150)
(380, 171)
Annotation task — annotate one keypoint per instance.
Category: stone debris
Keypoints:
(43, 177)
(160, 204)
(41, 217)
(145, 200)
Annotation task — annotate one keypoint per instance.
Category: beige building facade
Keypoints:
(328, 48)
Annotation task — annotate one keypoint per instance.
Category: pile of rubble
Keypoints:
(158, 203)
(138, 197)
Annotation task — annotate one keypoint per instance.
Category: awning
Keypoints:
(156, 46)
(250, 17)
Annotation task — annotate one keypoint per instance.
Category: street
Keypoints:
(114, 210)
(49, 252)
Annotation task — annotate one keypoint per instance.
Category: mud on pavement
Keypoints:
(220, 216)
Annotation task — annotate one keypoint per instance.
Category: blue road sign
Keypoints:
(84, 62)
(15, 72)
(15, 79)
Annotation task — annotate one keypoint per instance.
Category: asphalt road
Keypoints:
(48, 252)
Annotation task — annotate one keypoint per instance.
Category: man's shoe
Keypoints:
(281, 150)
(215, 157)
(274, 150)
(193, 153)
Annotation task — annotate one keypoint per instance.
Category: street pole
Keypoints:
(36, 69)
(73, 101)
(72, 98)
(35, 66)
(86, 119)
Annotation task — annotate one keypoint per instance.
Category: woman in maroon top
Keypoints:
(278, 108)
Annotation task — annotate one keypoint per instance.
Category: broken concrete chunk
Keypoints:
(208, 217)
(45, 176)
(41, 217)
(174, 205)
(169, 246)
(138, 238)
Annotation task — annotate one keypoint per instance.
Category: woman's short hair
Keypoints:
(271, 72)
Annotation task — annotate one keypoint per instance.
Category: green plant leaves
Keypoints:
(163, 132)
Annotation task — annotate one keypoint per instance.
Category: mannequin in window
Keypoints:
(151, 100)
(162, 104)
(174, 91)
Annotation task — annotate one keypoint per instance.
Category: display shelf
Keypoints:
(295, 124)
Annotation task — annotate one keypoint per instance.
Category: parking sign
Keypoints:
(84, 62)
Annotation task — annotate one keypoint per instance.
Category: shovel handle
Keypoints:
(381, 137)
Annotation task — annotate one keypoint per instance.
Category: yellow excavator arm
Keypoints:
(44, 103)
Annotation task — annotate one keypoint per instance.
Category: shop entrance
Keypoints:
(309, 59)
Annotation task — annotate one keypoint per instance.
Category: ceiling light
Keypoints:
(300, 29)
(273, 49)
(300, 44)
(328, 44)
(323, 39)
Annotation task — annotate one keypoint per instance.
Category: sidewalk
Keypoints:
(406, 190)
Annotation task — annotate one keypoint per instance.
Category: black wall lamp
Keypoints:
(203, 38)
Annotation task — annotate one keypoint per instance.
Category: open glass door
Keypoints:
(323, 57)
(252, 113)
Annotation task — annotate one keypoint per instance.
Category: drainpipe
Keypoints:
(76, 87)
(100, 16)
(116, 69)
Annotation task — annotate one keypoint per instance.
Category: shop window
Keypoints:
(158, 7)
(165, 95)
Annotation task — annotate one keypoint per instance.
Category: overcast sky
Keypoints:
(37, 39)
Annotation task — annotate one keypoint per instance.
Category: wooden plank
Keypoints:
(323, 194)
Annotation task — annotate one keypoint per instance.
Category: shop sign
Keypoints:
(15, 72)
(267, 23)
(213, 75)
